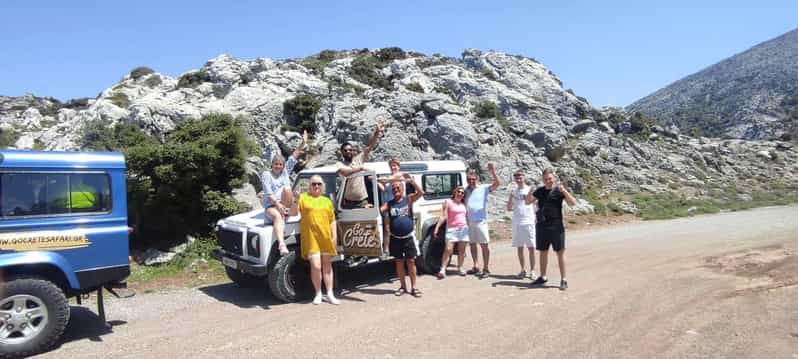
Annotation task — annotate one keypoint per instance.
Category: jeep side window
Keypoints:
(438, 186)
(41, 194)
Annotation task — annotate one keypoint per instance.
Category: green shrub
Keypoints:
(446, 91)
(318, 62)
(8, 138)
(486, 109)
(140, 72)
(336, 82)
(388, 54)
(153, 81)
(193, 79)
(300, 113)
(183, 185)
(366, 68)
(641, 124)
(415, 87)
(120, 100)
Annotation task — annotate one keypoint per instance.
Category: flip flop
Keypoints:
(415, 293)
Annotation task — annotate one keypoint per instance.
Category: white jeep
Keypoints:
(249, 252)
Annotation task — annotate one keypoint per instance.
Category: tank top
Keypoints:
(401, 217)
(456, 214)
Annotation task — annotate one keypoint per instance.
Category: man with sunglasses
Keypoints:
(355, 193)
(477, 204)
(399, 223)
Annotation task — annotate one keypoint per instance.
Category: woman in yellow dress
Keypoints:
(318, 236)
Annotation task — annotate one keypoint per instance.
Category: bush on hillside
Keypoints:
(193, 79)
(8, 137)
(300, 113)
(140, 72)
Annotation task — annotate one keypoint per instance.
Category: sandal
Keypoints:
(400, 291)
(485, 274)
(440, 275)
(415, 293)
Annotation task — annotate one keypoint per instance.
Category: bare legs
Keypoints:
(522, 260)
(485, 257)
(400, 272)
(321, 269)
(279, 228)
(474, 255)
(278, 222)
(544, 261)
(447, 253)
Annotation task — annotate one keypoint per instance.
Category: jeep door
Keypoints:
(360, 224)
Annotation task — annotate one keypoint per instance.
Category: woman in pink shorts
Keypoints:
(454, 215)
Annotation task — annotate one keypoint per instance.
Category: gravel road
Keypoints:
(716, 286)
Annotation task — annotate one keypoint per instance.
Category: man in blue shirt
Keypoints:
(477, 205)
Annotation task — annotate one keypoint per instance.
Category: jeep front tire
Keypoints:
(33, 314)
(289, 280)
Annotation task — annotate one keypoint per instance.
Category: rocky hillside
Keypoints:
(484, 106)
(751, 95)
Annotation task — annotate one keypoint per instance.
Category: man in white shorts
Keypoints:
(478, 232)
(523, 223)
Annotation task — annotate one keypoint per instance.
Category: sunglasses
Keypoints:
(349, 150)
(460, 192)
(316, 183)
(396, 189)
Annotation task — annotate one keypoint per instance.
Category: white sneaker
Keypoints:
(332, 299)
(317, 299)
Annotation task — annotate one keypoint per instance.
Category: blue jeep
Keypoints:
(63, 233)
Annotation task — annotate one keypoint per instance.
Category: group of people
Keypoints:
(536, 223)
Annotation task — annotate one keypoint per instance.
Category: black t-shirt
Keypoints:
(550, 204)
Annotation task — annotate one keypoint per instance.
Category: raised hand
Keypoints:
(490, 167)
(305, 136)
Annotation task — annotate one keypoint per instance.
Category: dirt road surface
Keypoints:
(712, 286)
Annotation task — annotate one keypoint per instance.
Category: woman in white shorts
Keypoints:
(523, 223)
(454, 215)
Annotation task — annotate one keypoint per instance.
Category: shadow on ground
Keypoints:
(85, 324)
(353, 280)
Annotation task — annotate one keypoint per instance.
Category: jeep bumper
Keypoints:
(234, 261)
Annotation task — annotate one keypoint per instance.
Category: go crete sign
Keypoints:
(360, 238)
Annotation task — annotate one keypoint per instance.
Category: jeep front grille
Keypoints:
(230, 241)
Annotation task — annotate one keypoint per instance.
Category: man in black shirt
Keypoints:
(549, 229)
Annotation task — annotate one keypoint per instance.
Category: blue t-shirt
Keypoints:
(274, 186)
(401, 217)
(477, 203)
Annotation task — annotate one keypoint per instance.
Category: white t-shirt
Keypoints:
(522, 213)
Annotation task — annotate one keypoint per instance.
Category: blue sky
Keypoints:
(611, 52)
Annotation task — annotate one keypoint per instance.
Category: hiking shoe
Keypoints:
(540, 281)
(522, 274)
(532, 275)
(563, 284)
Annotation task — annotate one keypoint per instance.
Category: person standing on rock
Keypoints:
(318, 236)
(399, 223)
(478, 232)
(355, 193)
(453, 214)
(549, 229)
(276, 193)
(523, 223)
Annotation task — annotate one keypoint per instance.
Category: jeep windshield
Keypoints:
(331, 183)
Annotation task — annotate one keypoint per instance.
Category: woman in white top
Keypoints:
(523, 223)
(276, 195)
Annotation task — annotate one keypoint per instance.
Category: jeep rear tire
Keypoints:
(244, 280)
(429, 260)
(33, 315)
(289, 280)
